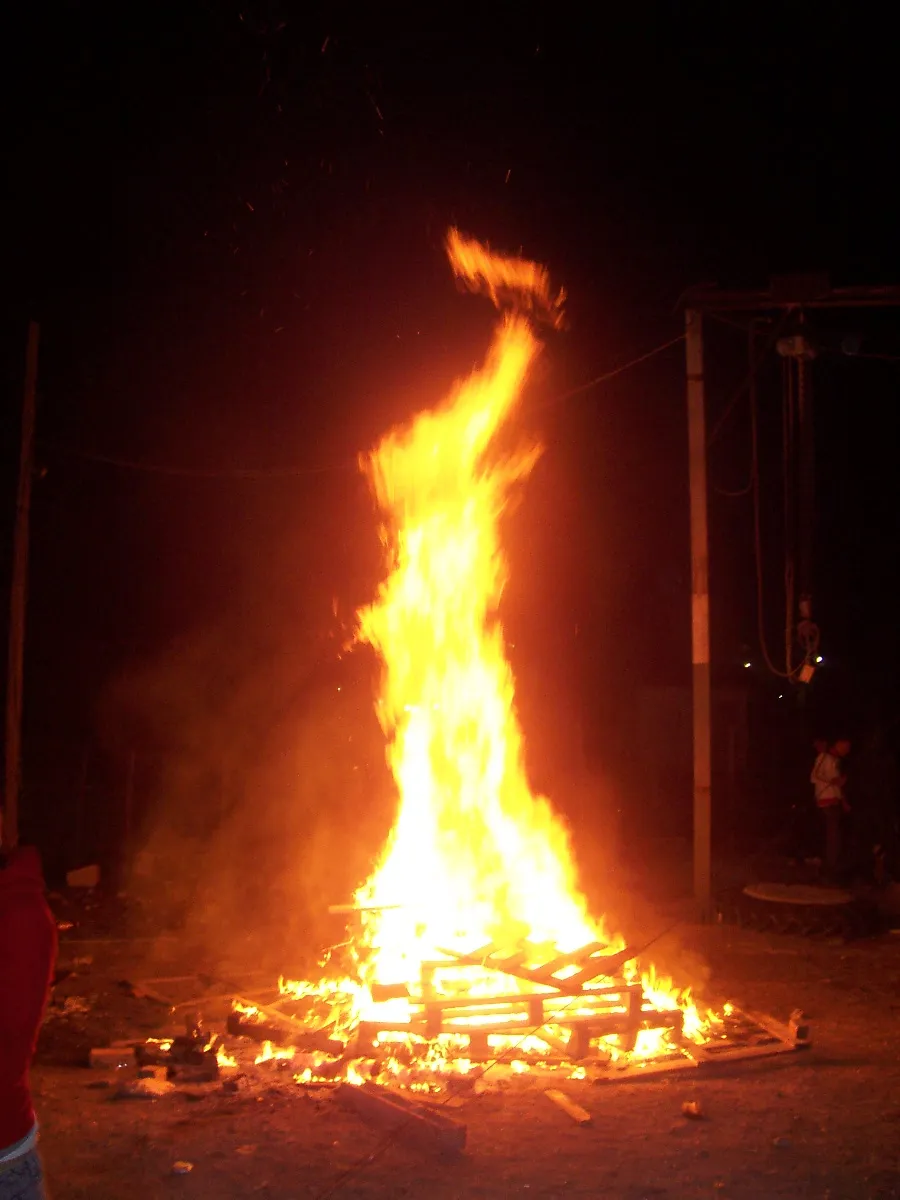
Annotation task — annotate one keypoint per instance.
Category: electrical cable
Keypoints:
(128, 464)
(613, 373)
(729, 407)
(729, 321)
(757, 537)
(749, 378)
(288, 472)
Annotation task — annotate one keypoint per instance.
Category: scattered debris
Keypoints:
(182, 1168)
(204, 1072)
(191, 1056)
(149, 988)
(70, 1007)
(110, 1058)
(578, 1114)
(692, 1110)
(152, 1073)
(781, 1142)
(143, 1089)
(797, 1025)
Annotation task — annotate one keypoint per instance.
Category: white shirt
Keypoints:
(825, 778)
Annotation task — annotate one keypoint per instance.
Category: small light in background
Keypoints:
(747, 666)
(781, 695)
(819, 658)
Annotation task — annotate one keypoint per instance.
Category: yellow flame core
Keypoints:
(474, 855)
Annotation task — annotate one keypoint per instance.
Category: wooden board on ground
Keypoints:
(408, 1121)
(578, 1114)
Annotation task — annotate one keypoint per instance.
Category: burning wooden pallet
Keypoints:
(569, 1008)
(574, 1000)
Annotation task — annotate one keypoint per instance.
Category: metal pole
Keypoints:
(19, 597)
(699, 614)
(129, 800)
(807, 477)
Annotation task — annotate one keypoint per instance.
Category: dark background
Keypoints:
(229, 220)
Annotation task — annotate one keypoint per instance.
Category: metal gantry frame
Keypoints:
(786, 294)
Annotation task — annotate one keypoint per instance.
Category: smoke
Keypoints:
(269, 799)
(261, 792)
(640, 890)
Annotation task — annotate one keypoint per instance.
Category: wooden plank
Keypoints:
(484, 1005)
(411, 1122)
(786, 1033)
(736, 1053)
(603, 1021)
(578, 1114)
(512, 960)
(603, 964)
(538, 975)
(482, 952)
(280, 1028)
(200, 1002)
(520, 999)
(271, 1012)
(646, 1069)
(573, 959)
(554, 1043)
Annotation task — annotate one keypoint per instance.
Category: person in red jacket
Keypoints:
(27, 957)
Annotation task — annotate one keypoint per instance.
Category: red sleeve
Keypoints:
(27, 954)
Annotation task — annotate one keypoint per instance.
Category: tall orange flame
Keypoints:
(475, 855)
(506, 279)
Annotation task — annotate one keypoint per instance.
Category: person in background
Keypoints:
(27, 958)
(802, 843)
(828, 780)
(820, 745)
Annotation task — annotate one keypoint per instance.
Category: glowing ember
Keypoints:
(270, 1052)
(224, 1059)
(475, 895)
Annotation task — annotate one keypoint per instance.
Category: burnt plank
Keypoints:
(578, 1114)
(600, 965)
(571, 959)
(512, 960)
(411, 1122)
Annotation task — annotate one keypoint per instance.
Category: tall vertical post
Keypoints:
(699, 615)
(19, 597)
(807, 477)
(129, 801)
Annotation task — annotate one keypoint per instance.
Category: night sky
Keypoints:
(229, 220)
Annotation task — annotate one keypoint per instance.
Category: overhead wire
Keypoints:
(287, 472)
(743, 386)
(607, 375)
(753, 369)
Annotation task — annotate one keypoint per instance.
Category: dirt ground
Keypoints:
(823, 1122)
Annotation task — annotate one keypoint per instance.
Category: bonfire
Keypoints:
(471, 942)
